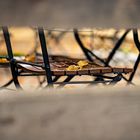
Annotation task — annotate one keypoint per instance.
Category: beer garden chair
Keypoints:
(57, 66)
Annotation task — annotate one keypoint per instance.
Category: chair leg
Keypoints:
(45, 56)
(10, 56)
(14, 71)
(137, 43)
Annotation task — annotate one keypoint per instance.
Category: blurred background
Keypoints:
(70, 13)
(106, 21)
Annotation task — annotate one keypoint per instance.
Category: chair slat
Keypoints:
(116, 70)
(58, 72)
(127, 70)
(74, 72)
(106, 70)
(83, 72)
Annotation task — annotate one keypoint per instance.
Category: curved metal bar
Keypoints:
(10, 55)
(66, 80)
(118, 44)
(76, 35)
(5, 88)
(116, 79)
(7, 84)
(136, 39)
(57, 37)
(10, 81)
(135, 68)
(86, 51)
(137, 43)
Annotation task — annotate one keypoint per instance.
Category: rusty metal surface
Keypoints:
(70, 13)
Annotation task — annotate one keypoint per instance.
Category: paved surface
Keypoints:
(106, 113)
(70, 13)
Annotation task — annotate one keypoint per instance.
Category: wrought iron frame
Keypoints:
(89, 55)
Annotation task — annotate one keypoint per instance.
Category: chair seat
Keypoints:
(85, 71)
(60, 63)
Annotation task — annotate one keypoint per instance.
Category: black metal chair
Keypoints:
(21, 68)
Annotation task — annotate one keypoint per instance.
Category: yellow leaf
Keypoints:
(82, 63)
(30, 58)
(3, 60)
(73, 67)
